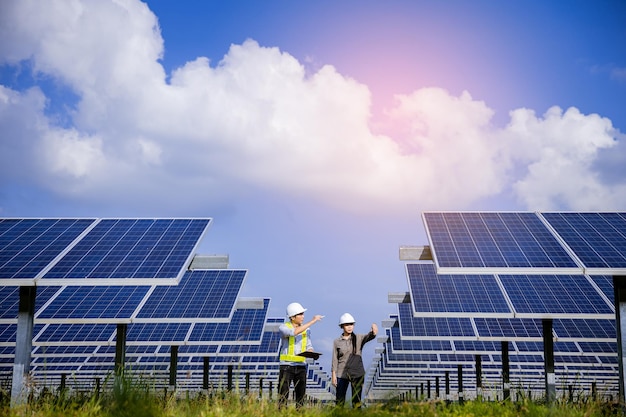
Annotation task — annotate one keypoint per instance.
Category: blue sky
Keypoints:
(313, 133)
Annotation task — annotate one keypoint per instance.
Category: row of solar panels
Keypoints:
(92, 275)
(494, 279)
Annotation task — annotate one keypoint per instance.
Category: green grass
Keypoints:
(128, 400)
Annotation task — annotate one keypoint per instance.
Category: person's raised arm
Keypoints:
(303, 327)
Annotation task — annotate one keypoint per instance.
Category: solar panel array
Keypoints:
(525, 242)
(494, 279)
(93, 275)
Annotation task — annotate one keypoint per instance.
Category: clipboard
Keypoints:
(310, 354)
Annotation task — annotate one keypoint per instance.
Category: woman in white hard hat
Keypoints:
(347, 364)
(294, 336)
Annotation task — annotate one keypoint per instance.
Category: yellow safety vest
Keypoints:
(290, 356)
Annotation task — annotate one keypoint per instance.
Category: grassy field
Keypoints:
(135, 402)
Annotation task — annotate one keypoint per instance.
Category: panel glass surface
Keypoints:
(494, 240)
(27, 246)
(434, 293)
(432, 326)
(246, 325)
(10, 300)
(585, 329)
(157, 332)
(509, 328)
(597, 239)
(132, 248)
(74, 333)
(554, 294)
(200, 294)
(89, 302)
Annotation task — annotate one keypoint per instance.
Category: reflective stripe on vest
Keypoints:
(290, 356)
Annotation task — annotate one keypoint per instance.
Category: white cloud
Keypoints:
(258, 119)
(560, 150)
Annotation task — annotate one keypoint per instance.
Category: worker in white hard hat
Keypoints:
(295, 338)
(347, 364)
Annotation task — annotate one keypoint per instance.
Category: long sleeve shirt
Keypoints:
(347, 361)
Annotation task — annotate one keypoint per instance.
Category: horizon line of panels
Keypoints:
(575, 243)
(508, 296)
(92, 251)
(201, 295)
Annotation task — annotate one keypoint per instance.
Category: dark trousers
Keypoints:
(286, 375)
(357, 389)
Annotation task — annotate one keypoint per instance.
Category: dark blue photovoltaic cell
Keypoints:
(605, 283)
(27, 246)
(597, 239)
(246, 325)
(478, 346)
(10, 300)
(8, 332)
(157, 332)
(554, 294)
(411, 357)
(91, 302)
(132, 248)
(593, 347)
(432, 326)
(399, 344)
(65, 333)
(587, 328)
(509, 328)
(494, 240)
(270, 343)
(200, 294)
(434, 293)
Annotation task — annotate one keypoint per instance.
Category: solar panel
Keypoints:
(508, 329)
(29, 246)
(597, 239)
(10, 300)
(551, 296)
(93, 304)
(495, 242)
(433, 295)
(129, 252)
(434, 327)
(246, 325)
(206, 294)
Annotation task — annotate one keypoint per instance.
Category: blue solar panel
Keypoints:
(432, 326)
(75, 333)
(209, 294)
(605, 283)
(157, 332)
(508, 329)
(132, 248)
(89, 302)
(246, 325)
(397, 343)
(28, 246)
(495, 242)
(585, 329)
(432, 293)
(597, 239)
(10, 300)
(550, 295)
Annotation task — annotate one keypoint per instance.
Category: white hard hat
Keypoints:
(294, 309)
(346, 318)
